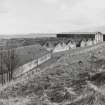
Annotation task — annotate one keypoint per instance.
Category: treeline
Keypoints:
(8, 62)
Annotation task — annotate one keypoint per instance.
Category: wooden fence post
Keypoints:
(37, 65)
(1, 65)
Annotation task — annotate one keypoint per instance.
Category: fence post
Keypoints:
(37, 65)
(1, 64)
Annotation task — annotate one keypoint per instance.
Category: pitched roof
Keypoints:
(53, 43)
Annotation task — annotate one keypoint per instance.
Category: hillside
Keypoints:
(28, 53)
(69, 80)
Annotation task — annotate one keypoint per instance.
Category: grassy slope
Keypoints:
(64, 82)
(28, 53)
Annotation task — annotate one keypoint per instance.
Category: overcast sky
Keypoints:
(28, 16)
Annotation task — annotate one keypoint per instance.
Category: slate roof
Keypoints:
(79, 33)
(52, 43)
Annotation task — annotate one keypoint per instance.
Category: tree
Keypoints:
(1, 65)
(11, 61)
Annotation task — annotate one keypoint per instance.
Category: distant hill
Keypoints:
(34, 35)
(30, 35)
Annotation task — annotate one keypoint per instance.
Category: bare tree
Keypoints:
(11, 60)
(1, 65)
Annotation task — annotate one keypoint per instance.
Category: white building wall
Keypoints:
(89, 43)
(83, 44)
(96, 38)
(99, 37)
(94, 42)
(72, 45)
(61, 47)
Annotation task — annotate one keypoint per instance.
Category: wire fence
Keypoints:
(35, 69)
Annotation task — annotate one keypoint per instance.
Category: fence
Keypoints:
(31, 65)
(79, 51)
(28, 68)
(24, 69)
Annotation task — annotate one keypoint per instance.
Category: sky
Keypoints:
(50, 16)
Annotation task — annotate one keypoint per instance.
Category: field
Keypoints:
(28, 53)
(67, 80)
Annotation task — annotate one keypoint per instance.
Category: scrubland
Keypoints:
(68, 80)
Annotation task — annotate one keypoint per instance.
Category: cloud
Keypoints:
(84, 13)
(51, 15)
(50, 1)
(3, 8)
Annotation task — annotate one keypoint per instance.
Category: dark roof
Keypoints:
(79, 33)
(52, 42)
